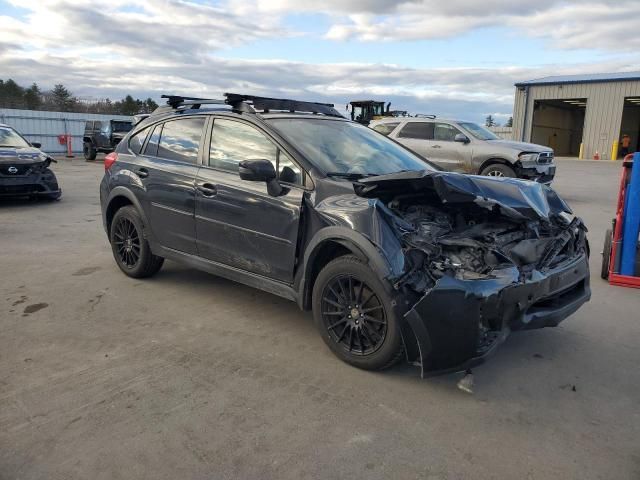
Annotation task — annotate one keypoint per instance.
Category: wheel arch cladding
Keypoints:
(118, 198)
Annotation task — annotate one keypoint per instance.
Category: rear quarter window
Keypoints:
(386, 128)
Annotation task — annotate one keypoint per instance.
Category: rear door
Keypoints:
(237, 222)
(167, 171)
(417, 136)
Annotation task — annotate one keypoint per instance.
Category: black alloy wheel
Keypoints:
(127, 242)
(353, 315)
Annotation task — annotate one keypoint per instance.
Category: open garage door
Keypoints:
(559, 124)
(630, 126)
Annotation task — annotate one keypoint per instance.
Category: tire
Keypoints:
(498, 170)
(606, 254)
(89, 151)
(370, 338)
(131, 250)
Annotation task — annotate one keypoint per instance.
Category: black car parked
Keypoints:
(24, 169)
(103, 136)
(394, 257)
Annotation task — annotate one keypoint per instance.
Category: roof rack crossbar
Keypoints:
(176, 101)
(424, 115)
(280, 104)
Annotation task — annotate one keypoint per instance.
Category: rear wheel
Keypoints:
(130, 249)
(606, 254)
(89, 151)
(498, 170)
(354, 314)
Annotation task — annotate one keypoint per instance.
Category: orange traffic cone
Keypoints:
(596, 156)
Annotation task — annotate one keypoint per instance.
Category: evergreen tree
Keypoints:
(490, 122)
(62, 98)
(509, 122)
(33, 97)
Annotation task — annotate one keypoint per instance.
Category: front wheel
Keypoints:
(354, 314)
(130, 249)
(498, 170)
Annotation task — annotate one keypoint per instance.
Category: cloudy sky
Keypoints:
(453, 57)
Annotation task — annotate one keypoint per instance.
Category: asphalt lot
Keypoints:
(189, 376)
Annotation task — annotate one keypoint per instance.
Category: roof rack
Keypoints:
(248, 104)
(265, 104)
(424, 115)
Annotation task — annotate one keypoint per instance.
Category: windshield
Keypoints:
(339, 147)
(122, 126)
(479, 132)
(10, 138)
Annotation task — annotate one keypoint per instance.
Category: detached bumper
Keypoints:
(540, 173)
(42, 183)
(458, 323)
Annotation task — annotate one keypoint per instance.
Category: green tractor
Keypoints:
(363, 111)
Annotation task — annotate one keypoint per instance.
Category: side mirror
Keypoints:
(36, 144)
(461, 137)
(261, 171)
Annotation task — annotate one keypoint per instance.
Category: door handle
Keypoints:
(207, 189)
(142, 172)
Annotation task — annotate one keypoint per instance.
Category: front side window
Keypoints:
(10, 138)
(232, 142)
(137, 141)
(180, 139)
(417, 130)
(386, 128)
(444, 132)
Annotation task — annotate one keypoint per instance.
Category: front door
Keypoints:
(167, 170)
(451, 155)
(237, 222)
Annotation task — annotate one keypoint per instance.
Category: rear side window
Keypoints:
(137, 141)
(418, 130)
(152, 144)
(386, 128)
(180, 139)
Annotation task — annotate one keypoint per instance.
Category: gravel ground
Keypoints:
(189, 376)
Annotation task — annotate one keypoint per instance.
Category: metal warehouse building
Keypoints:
(579, 115)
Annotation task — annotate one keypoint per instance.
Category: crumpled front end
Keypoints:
(481, 259)
(28, 179)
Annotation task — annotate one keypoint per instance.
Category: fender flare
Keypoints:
(121, 191)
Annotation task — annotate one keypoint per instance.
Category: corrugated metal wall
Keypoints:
(605, 102)
(505, 133)
(44, 127)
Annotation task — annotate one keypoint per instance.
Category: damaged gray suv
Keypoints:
(395, 258)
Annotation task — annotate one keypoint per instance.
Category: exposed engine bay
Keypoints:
(470, 243)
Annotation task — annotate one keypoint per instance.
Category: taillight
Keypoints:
(109, 160)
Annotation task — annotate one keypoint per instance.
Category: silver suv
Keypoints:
(466, 147)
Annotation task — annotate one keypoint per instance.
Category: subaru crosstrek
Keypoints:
(394, 257)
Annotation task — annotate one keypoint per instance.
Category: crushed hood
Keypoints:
(518, 199)
(21, 156)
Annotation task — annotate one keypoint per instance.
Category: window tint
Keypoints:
(152, 144)
(137, 141)
(232, 142)
(420, 130)
(445, 132)
(386, 128)
(180, 139)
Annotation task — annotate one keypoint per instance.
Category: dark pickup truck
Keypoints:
(103, 136)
